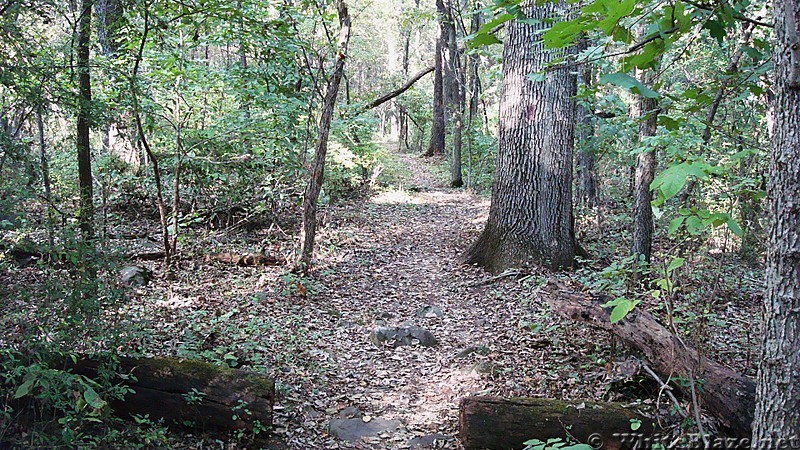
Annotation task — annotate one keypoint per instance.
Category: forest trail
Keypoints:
(396, 264)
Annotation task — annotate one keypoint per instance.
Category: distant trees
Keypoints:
(531, 217)
(777, 416)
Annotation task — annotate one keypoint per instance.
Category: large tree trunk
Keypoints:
(436, 145)
(500, 424)
(531, 213)
(86, 217)
(726, 394)
(644, 110)
(778, 407)
(314, 187)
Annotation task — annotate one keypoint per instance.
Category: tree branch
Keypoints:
(385, 98)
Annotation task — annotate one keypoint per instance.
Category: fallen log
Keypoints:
(192, 394)
(247, 259)
(729, 396)
(499, 424)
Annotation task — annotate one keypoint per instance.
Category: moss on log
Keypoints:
(501, 424)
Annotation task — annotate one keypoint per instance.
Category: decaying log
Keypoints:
(193, 394)
(247, 259)
(500, 424)
(729, 396)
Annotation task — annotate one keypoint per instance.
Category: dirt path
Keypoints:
(395, 255)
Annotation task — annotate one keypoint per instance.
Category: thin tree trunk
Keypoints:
(586, 185)
(311, 196)
(162, 208)
(401, 108)
(530, 218)
(474, 95)
(436, 145)
(777, 415)
(644, 110)
(86, 216)
(458, 91)
(45, 167)
(733, 66)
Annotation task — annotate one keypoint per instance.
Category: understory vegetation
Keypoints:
(157, 170)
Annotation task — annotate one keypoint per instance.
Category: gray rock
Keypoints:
(135, 275)
(429, 311)
(477, 349)
(399, 336)
(436, 440)
(353, 430)
(350, 412)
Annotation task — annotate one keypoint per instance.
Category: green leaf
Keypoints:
(478, 40)
(91, 397)
(635, 424)
(694, 225)
(674, 264)
(734, 227)
(675, 224)
(671, 181)
(716, 29)
(25, 388)
(626, 81)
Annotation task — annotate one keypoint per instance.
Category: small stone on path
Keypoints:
(399, 336)
(354, 429)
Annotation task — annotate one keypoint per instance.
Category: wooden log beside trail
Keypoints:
(193, 394)
(501, 424)
(729, 396)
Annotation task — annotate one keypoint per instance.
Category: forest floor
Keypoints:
(388, 259)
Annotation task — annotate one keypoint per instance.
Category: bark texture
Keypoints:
(457, 84)
(644, 111)
(86, 218)
(777, 416)
(499, 424)
(311, 197)
(530, 218)
(436, 145)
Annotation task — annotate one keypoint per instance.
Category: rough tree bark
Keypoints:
(309, 229)
(644, 110)
(436, 145)
(86, 217)
(457, 85)
(777, 416)
(530, 217)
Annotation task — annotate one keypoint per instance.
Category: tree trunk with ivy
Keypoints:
(777, 416)
(311, 197)
(530, 218)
